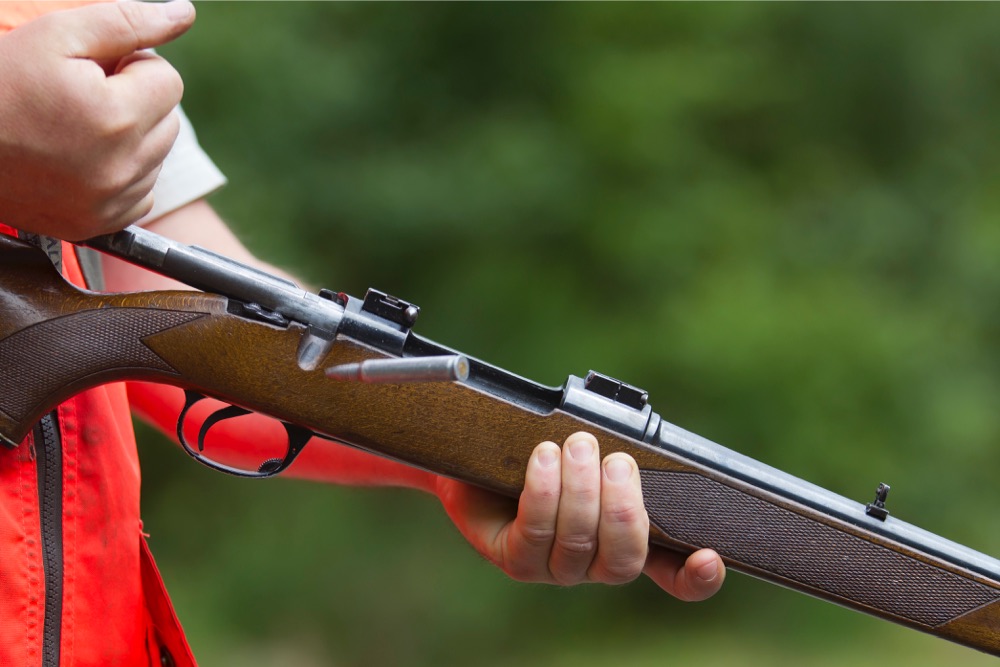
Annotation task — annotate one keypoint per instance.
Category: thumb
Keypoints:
(111, 30)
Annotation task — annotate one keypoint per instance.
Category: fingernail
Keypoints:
(178, 10)
(547, 457)
(617, 469)
(581, 450)
(708, 571)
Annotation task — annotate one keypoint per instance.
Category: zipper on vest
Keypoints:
(48, 460)
(48, 456)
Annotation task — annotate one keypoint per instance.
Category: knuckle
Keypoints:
(164, 79)
(123, 208)
(538, 536)
(144, 206)
(102, 220)
(108, 181)
(544, 495)
(625, 513)
(133, 19)
(576, 545)
(176, 82)
(116, 120)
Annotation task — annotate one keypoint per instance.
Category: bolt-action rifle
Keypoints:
(353, 371)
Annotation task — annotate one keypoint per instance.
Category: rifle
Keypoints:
(262, 344)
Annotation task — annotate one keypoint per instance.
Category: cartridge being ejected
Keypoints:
(448, 368)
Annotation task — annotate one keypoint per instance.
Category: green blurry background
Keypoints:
(780, 219)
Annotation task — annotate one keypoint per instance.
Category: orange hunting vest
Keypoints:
(78, 586)
(77, 581)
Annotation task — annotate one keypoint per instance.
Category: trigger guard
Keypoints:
(298, 436)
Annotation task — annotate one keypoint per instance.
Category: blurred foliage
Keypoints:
(780, 219)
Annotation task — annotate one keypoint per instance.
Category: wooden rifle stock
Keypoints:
(56, 340)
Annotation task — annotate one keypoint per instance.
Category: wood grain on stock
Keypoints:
(56, 341)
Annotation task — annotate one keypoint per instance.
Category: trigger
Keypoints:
(216, 417)
(190, 399)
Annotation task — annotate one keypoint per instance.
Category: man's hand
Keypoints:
(86, 116)
(578, 520)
